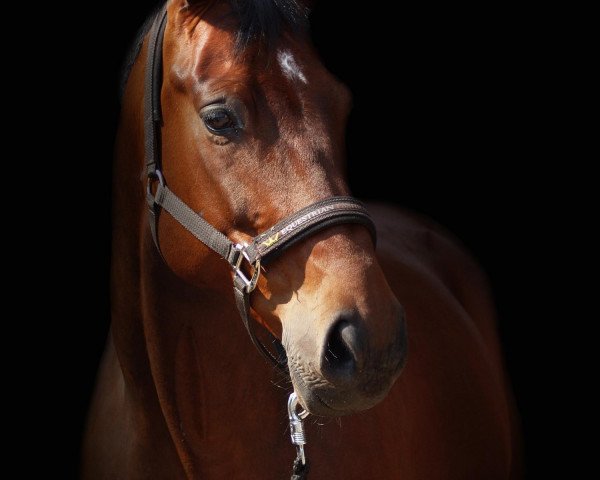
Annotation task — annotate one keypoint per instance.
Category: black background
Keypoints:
(451, 96)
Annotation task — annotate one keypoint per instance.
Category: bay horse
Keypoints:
(230, 151)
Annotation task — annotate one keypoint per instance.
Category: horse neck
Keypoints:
(167, 333)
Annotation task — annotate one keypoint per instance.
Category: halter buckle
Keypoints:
(249, 283)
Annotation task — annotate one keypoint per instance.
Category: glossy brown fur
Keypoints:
(182, 392)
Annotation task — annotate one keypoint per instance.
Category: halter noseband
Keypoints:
(265, 246)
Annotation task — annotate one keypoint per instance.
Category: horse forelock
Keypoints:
(259, 20)
(263, 19)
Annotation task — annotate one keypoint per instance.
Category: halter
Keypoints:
(265, 246)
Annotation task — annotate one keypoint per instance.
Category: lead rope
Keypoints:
(300, 466)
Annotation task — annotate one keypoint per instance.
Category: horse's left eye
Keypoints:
(219, 120)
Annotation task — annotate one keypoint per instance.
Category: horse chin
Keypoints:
(315, 405)
(331, 402)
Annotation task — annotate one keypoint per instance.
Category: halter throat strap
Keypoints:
(245, 260)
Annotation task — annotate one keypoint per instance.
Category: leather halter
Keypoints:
(265, 246)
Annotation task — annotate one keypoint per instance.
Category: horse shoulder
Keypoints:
(450, 311)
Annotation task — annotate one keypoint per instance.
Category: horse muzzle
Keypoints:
(348, 372)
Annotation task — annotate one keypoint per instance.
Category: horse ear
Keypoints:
(180, 9)
(178, 5)
(186, 3)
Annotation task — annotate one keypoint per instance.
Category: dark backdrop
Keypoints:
(448, 95)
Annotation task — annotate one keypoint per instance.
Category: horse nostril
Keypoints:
(342, 351)
(338, 348)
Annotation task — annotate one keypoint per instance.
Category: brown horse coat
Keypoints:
(182, 393)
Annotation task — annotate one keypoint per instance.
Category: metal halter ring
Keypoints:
(152, 177)
(250, 284)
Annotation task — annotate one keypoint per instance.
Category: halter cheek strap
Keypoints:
(245, 260)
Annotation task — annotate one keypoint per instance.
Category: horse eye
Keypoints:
(219, 120)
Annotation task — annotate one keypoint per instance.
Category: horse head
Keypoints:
(253, 131)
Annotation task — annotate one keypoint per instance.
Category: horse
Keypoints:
(229, 152)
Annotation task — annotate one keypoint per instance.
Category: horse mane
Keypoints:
(259, 20)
